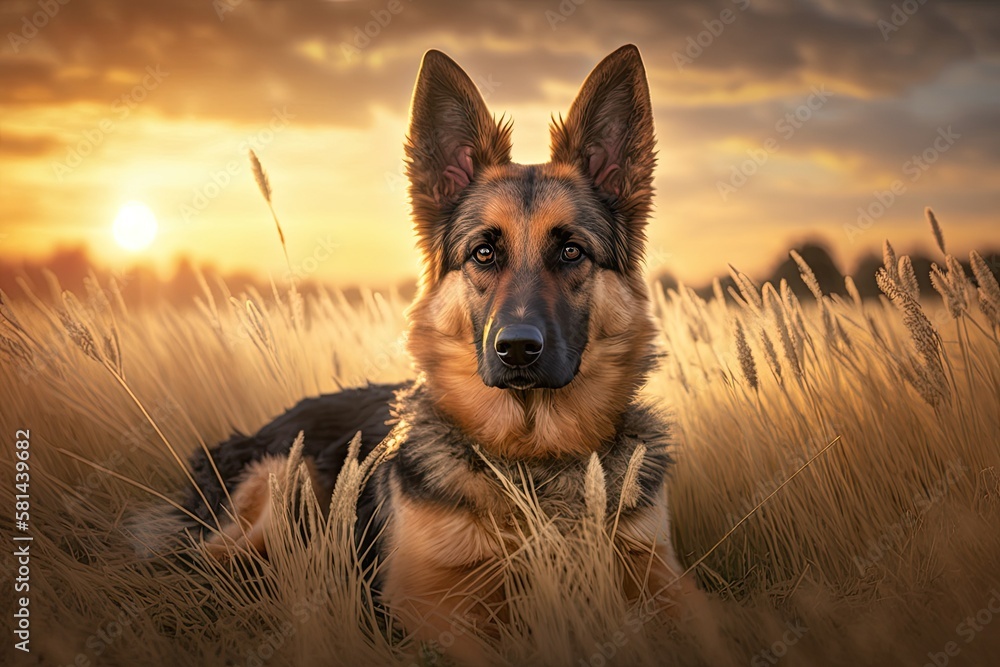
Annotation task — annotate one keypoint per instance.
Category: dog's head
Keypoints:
(529, 270)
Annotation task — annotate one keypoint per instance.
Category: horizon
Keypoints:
(179, 282)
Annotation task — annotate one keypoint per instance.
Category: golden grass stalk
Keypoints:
(908, 278)
(7, 313)
(784, 329)
(16, 350)
(770, 354)
(989, 289)
(889, 261)
(951, 284)
(795, 317)
(81, 336)
(595, 492)
(747, 364)
(929, 377)
(808, 277)
(694, 308)
(630, 483)
(264, 185)
(717, 293)
(748, 289)
(936, 229)
(852, 290)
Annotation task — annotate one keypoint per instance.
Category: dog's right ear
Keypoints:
(452, 137)
(608, 135)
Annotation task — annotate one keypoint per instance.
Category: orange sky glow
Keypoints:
(776, 121)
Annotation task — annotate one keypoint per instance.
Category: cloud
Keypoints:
(266, 53)
(21, 145)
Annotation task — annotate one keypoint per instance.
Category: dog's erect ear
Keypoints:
(608, 134)
(452, 137)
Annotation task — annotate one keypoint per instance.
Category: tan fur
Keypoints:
(507, 213)
(573, 420)
(444, 574)
(442, 577)
(251, 509)
(652, 567)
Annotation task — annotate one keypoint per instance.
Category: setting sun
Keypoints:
(135, 226)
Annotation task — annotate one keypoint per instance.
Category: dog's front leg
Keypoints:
(653, 568)
(444, 606)
(665, 579)
(439, 579)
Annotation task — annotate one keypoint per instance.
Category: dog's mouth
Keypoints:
(515, 380)
(518, 383)
(526, 382)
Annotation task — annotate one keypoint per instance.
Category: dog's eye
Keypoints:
(571, 252)
(484, 254)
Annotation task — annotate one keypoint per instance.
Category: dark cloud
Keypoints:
(20, 145)
(873, 135)
(259, 54)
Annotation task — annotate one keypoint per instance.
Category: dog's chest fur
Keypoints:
(437, 473)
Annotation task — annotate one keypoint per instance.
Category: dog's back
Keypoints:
(328, 423)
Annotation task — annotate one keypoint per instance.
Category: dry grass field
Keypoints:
(859, 440)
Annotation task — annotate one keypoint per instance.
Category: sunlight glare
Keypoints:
(135, 226)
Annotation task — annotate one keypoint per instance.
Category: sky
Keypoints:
(776, 121)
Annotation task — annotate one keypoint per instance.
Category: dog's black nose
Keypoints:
(519, 345)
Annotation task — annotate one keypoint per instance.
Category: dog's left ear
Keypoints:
(608, 135)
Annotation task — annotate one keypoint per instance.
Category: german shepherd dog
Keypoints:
(531, 334)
